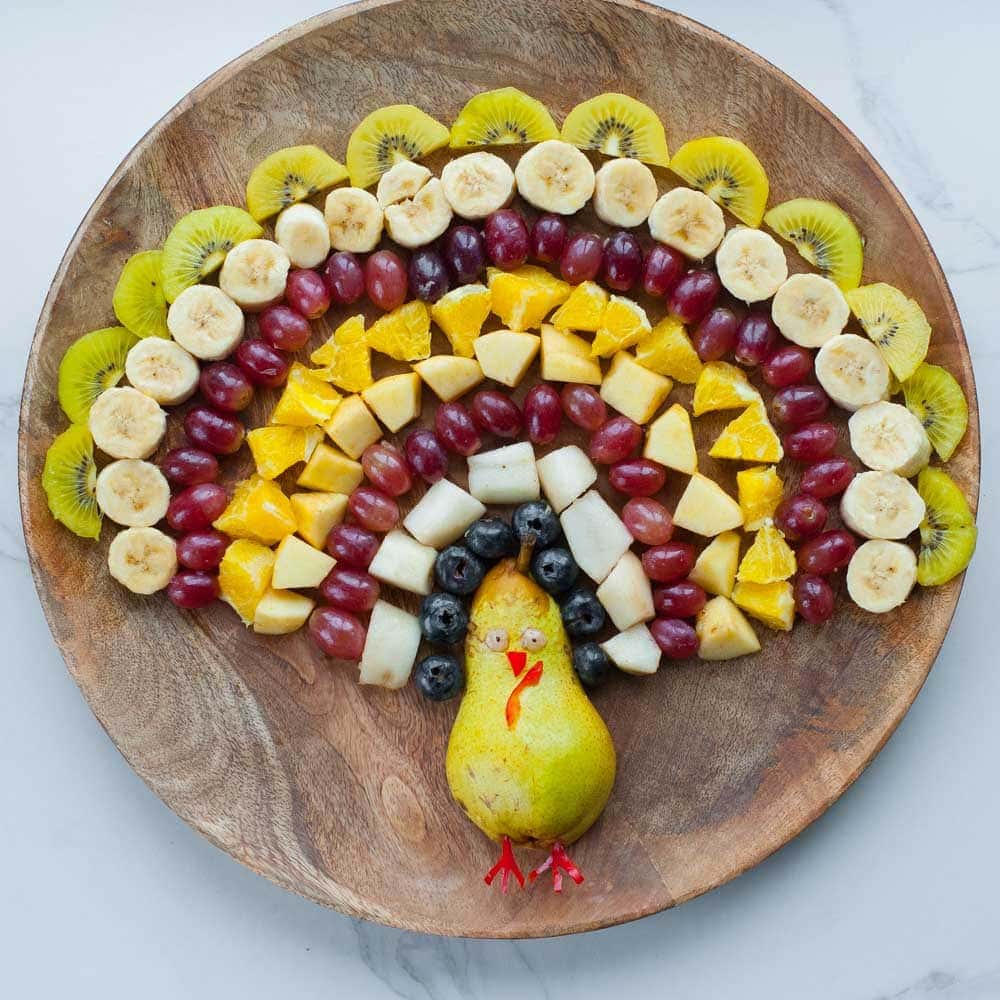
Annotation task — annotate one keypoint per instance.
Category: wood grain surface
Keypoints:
(336, 791)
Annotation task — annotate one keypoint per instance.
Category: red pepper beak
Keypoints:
(518, 660)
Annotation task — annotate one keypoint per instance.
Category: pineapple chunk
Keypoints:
(566, 358)
(633, 390)
(626, 594)
(449, 376)
(395, 399)
(565, 474)
(634, 651)
(316, 514)
(670, 441)
(706, 508)
(331, 471)
(724, 632)
(715, 568)
(442, 514)
(506, 356)
(402, 561)
(390, 646)
(297, 564)
(352, 427)
(771, 603)
(281, 611)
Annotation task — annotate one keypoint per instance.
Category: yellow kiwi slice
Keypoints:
(618, 125)
(288, 176)
(824, 234)
(728, 172)
(388, 135)
(935, 398)
(94, 363)
(947, 532)
(895, 323)
(502, 117)
(199, 242)
(69, 479)
(139, 302)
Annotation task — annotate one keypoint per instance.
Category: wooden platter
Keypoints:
(336, 791)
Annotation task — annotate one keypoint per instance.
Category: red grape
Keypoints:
(800, 516)
(828, 477)
(799, 404)
(262, 364)
(188, 466)
(350, 589)
(373, 509)
(683, 599)
(811, 442)
(345, 278)
(542, 413)
(787, 366)
(284, 328)
(662, 269)
(216, 432)
(196, 507)
(456, 429)
(428, 276)
(584, 406)
(694, 295)
(677, 639)
(337, 633)
(202, 549)
(548, 238)
(385, 279)
(226, 386)
(581, 258)
(426, 455)
(352, 545)
(637, 477)
(670, 562)
(191, 589)
(622, 262)
(826, 553)
(506, 238)
(385, 467)
(307, 293)
(813, 598)
(648, 521)
(715, 335)
(496, 413)
(614, 440)
(755, 339)
(464, 254)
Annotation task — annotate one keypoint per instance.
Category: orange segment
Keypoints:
(404, 333)
(524, 297)
(760, 490)
(769, 559)
(667, 350)
(749, 437)
(275, 449)
(623, 324)
(258, 511)
(771, 603)
(245, 575)
(346, 357)
(461, 314)
(583, 310)
(306, 401)
(722, 386)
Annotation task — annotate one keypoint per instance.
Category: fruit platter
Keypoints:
(499, 496)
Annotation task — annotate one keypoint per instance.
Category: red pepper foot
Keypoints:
(505, 867)
(559, 861)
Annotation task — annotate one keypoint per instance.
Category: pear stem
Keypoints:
(524, 556)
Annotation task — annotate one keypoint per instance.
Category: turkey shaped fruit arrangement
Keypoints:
(529, 569)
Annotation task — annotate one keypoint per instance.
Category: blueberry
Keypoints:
(555, 570)
(582, 613)
(539, 519)
(591, 664)
(458, 571)
(439, 677)
(443, 619)
(491, 538)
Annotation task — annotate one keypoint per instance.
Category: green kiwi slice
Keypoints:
(69, 479)
(94, 363)
(139, 302)
(936, 399)
(947, 532)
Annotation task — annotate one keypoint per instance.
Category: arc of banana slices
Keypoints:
(809, 310)
(688, 221)
(881, 575)
(206, 322)
(887, 437)
(881, 505)
(254, 273)
(143, 560)
(852, 371)
(126, 423)
(421, 219)
(624, 192)
(477, 184)
(301, 231)
(555, 177)
(133, 493)
(401, 181)
(354, 219)
(163, 370)
(751, 264)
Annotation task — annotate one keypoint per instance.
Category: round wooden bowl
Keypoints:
(337, 791)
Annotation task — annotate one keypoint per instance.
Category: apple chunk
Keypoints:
(280, 612)
(505, 356)
(595, 534)
(442, 514)
(565, 474)
(298, 564)
(401, 561)
(634, 651)
(626, 594)
(449, 376)
(504, 475)
(395, 399)
(724, 632)
(670, 441)
(633, 390)
(706, 508)
(390, 646)
(715, 568)
(566, 358)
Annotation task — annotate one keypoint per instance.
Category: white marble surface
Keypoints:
(894, 893)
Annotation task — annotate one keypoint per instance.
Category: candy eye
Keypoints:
(533, 639)
(496, 639)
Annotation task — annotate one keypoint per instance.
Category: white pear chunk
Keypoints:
(626, 594)
(565, 474)
(442, 514)
(706, 508)
(504, 475)
(390, 646)
(634, 651)
(401, 561)
(595, 534)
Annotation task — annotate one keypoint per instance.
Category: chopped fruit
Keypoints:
(275, 449)
(750, 438)
(345, 357)
(449, 376)
(404, 333)
(506, 356)
(504, 475)
(934, 396)
(245, 576)
(316, 515)
(624, 324)
(92, 364)
(331, 471)
(728, 172)
(626, 594)
(824, 235)
(280, 612)
(524, 297)
(715, 568)
(306, 401)
(288, 176)
(667, 350)
(566, 358)
(403, 562)
(138, 301)
(565, 474)
(722, 386)
(617, 125)
(258, 511)
(670, 441)
(461, 314)
(352, 427)
(389, 135)
(769, 559)
(760, 491)
(395, 399)
(634, 651)
(595, 534)
(583, 310)
(442, 514)
(634, 390)
(724, 632)
(770, 603)
(70, 482)
(390, 648)
(895, 323)
(947, 532)
(502, 117)
(706, 508)
(298, 564)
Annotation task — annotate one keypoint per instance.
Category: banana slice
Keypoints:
(401, 181)
(126, 423)
(881, 505)
(889, 438)
(133, 493)
(809, 310)
(852, 371)
(162, 369)
(354, 218)
(751, 264)
(302, 232)
(625, 192)
(555, 177)
(142, 559)
(254, 273)
(206, 322)
(421, 219)
(477, 184)
(881, 575)
(688, 221)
